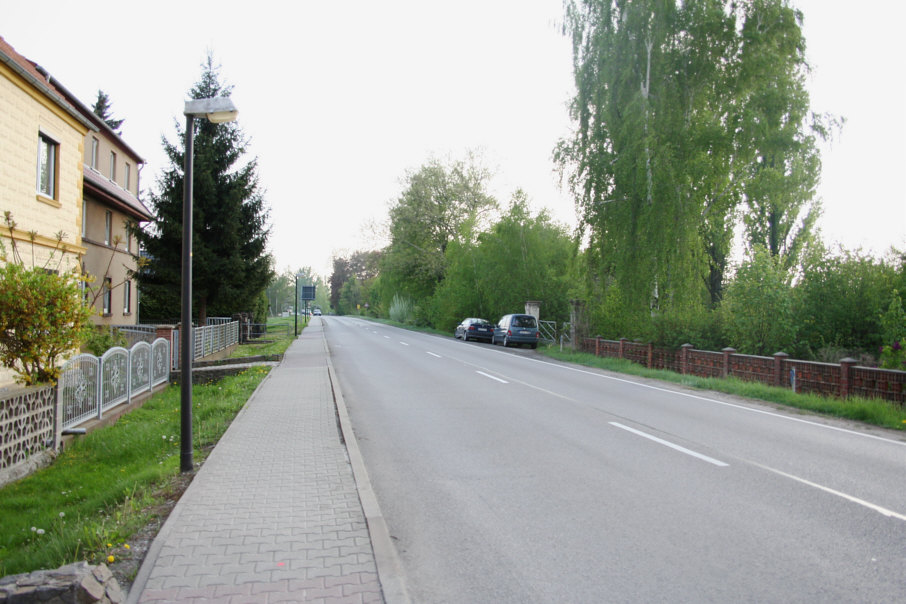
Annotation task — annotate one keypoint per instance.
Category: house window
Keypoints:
(84, 217)
(94, 152)
(127, 183)
(127, 297)
(113, 166)
(108, 227)
(48, 154)
(128, 241)
(108, 295)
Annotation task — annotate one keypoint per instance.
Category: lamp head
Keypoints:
(217, 109)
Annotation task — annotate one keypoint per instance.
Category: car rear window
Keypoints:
(524, 321)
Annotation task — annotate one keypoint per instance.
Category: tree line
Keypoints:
(692, 129)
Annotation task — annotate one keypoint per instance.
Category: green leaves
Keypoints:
(757, 310)
(689, 116)
(231, 266)
(41, 317)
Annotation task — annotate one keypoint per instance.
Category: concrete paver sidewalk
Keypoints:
(274, 514)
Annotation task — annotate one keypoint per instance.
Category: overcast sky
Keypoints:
(340, 99)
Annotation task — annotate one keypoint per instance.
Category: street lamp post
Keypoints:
(296, 307)
(217, 110)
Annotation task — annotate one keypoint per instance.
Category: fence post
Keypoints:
(779, 359)
(650, 354)
(684, 358)
(58, 418)
(725, 372)
(622, 342)
(99, 391)
(846, 376)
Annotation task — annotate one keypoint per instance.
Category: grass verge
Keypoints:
(871, 411)
(110, 484)
(278, 338)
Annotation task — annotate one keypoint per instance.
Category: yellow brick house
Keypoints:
(41, 149)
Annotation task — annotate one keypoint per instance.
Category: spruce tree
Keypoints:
(231, 267)
(102, 108)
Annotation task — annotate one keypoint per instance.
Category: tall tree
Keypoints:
(649, 162)
(231, 267)
(521, 257)
(361, 266)
(684, 110)
(777, 132)
(441, 203)
(102, 108)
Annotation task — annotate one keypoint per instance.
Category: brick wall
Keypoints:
(842, 379)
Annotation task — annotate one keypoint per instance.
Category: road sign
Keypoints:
(308, 292)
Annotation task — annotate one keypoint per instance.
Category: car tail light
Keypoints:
(508, 332)
(471, 328)
(537, 334)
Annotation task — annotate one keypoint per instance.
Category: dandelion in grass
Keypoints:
(62, 514)
(126, 545)
(40, 531)
(110, 559)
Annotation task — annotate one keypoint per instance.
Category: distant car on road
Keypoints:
(517, 329)
(316, 312)
(474, 329)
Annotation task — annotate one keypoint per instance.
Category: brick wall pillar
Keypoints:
(846, 376)
(779, 362)
(597, 346)
(622, 344)
(650, 354)
(165, 332)
(725, 370)
(684, 358)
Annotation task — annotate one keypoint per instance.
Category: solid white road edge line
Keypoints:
(862, 502)
(661, 441)
(716, 402)
(487, 375)
(434, 355)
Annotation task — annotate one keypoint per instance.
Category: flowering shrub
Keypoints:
(893, 356)
(41, 315)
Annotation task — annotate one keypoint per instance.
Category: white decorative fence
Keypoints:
(89, 386)
(207, 340)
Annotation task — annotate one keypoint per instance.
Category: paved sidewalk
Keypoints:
(274, 513)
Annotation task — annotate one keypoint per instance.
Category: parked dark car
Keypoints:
(474, 329)
(516, 330)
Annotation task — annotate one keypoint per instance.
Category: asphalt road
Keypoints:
(506, 477)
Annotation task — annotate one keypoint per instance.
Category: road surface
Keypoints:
(507, 477)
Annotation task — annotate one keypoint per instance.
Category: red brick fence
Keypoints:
(843, 379)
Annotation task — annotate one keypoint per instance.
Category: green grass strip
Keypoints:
(877, 412)
(103, 487)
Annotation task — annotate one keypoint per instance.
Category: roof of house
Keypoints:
(113, 194)
(107, 190)
(30, 71)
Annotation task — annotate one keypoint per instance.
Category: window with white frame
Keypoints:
(127, 297)
(95, 144)
(108, 295)
(48, 155)
(84, 217)
(108, 227)
(127, 177)
(113, 166)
